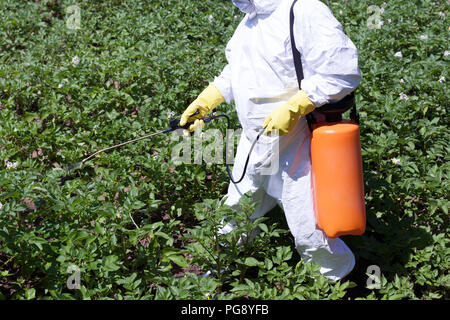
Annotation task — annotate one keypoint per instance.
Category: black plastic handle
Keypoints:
(175, 123)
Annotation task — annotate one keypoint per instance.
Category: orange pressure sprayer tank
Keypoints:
(337, 178)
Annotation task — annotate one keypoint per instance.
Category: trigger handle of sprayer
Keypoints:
(175, 123)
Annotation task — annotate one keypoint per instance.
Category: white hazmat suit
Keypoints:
(260, 76)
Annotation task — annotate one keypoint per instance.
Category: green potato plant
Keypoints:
(131, 224)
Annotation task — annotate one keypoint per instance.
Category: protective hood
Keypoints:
(256, 7)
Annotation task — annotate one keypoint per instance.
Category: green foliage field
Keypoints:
(136, 226)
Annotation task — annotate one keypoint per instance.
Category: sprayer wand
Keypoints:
(174, 125)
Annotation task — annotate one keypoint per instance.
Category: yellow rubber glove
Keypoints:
(205, 102)
(285, 117)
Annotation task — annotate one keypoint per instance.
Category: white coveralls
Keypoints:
(260, 76)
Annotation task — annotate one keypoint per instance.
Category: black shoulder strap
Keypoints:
(295, 52)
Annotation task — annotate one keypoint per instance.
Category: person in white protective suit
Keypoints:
(261, 79)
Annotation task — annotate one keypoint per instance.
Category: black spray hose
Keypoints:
(174, 125)
(226, 148)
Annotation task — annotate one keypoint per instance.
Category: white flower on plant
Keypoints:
(15, 130)
(403, 97)
(381, 10)
(389, 21)
(1, 206)
(10, 165)
(208, 296)
(170, 114)
(395, 161)
(441, 79)
(441, 14)
(62, 83)
(75, 60)
(207, 273)
(402, 81)
(424, 37)
(380, 24)
(398, 54)
(341, 12)
(446, 53)
(210, 19)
